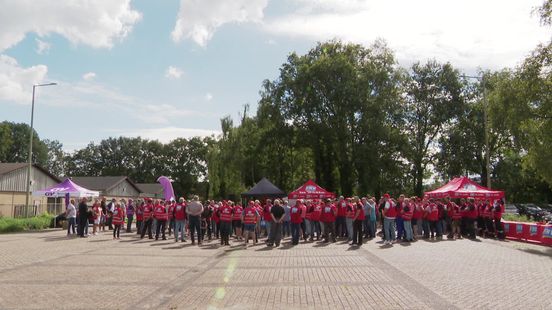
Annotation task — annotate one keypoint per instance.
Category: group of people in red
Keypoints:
(354, 219)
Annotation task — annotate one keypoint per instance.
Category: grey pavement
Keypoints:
(47, 270)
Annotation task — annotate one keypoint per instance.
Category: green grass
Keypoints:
(517, 218)
(8, 225)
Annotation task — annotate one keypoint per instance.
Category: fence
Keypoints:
(10, 210)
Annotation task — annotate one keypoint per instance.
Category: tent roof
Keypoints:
(264, 188)
(463, 187)
(64, 188)
(310, 190)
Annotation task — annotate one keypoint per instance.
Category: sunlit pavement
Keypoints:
(47, 270)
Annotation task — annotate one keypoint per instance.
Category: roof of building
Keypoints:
(6, 168)
(150, 188)
(103, 183)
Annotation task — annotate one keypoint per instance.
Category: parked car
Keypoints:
(535, 212)
(510, 208)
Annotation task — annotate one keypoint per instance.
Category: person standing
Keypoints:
(277, 214)
(296, 220)
(179, 213)
(130, 210)
(358, 221)
(373, 217)
(83, 217)
(417, 217)
(225, 213)
(170, 213)
(340, 226)
(194, 210)
(237, 211)
(471, 218)
(117, 220)
(206, 216)
(97, 210)
(399, 220)
(71, 216)
(432, 217)
(456, 218)
(407, 213)
(103, 218)
(267, 217)
(161, 216)
(286, 226)
(350, 212)
(328, 217)
(389, 216)
(139, 216)
(147, 220)
(250, 216)
(497, 217)
(109, 214)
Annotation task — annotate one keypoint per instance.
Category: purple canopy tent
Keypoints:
(66, 189)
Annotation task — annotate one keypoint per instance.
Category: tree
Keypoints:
(433, 102)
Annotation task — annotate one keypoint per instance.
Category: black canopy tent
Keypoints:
(264, 189)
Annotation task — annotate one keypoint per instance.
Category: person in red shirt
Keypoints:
(148, 220)
(179, 215)
(296, 220)
(358, 220)
(417, 217)
(456, 217)
(237, 220)
(328, 217)
(225, 213)
(340, 223)
(139, 216)
(117, 220)
(267, 218)
(432, 216)
(407, 212)
(350, 211)
(389, 216)
(170, 211)
(250, 217)
(161, 216)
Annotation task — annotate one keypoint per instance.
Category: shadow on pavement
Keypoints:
(546, 252)
(161, 243)
(266, 248)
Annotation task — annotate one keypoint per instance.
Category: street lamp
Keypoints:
(486, 121)
(31, 148)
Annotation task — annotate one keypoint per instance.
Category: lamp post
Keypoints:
(486, 121)
(31, 149)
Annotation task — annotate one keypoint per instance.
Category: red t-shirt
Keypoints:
(180, 212)
(295, 213)
(361, 216)
(342, 208)
(328, 213)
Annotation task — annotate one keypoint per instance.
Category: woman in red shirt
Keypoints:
(358, 220)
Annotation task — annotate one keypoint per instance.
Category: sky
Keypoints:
(174, 68)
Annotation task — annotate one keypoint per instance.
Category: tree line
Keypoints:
(350, 117)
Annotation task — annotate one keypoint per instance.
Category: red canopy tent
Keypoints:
(310, 190)
(463, 187)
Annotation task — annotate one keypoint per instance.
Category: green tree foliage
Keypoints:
(14, 144)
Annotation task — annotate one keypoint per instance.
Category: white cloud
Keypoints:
(89, 76)
(469, 33)
(97, 23)
(42, 46)
(208, 97)
(167, 134)
(199, 19)
(173, 73)
(16, 82)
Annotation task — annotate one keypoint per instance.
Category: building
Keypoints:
(151, 190)
(13, 181)
(110, 186)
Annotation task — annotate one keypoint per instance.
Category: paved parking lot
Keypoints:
(49, 271)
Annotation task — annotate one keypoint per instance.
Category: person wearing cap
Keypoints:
(389, 216)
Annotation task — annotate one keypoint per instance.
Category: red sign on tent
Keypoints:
(463, 187)
(310, 190)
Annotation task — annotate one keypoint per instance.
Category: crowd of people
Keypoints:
(354, 219)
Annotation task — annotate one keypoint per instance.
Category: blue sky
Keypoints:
(165, 69)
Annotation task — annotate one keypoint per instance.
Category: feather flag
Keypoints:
(168, 191)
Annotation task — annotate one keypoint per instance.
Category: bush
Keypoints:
(517, 218)
(8, 225)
